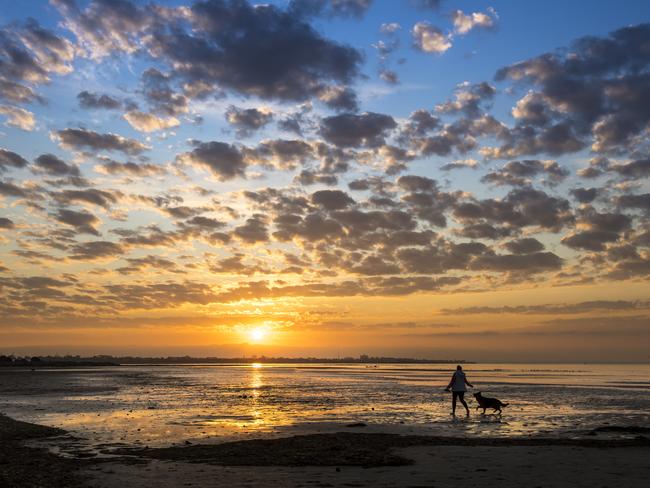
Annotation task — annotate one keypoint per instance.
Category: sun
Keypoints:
(257, 334)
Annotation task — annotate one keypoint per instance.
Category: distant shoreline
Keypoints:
(50, 361)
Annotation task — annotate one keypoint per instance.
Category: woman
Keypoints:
(458, 389)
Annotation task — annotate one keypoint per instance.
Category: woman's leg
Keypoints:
(453, 402)
(461, 395)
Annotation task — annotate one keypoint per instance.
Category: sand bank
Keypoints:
(334, 459)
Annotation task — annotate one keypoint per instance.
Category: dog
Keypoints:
(485, 402)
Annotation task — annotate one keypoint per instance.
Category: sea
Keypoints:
(158, 405)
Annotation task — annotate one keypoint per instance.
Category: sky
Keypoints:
(421, 178)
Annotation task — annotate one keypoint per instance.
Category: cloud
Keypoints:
(357, 130)
(78, 139)
(641, 201)
(83, 222)
(553, 308)
(585, 195)
(597, 230)
(29, 53)
(97, 101)
(223, 160)
(519, 173)
(112, 167)
(105, 26)
(594, 92)
(329, 8)
(339, 98)
(429, 38)
(468, 99)
(389, 76)
(247, 121)
(332, 199)
(93, 196)
(51, 165)
(307, 178)
(10, 159)
(88, 251)
(526, 245)
(253, 231)
(463, 23)
(280, 153)
(10, 190)
(427, 4)
(6, 223)
(18, 117)
(145, 122)
(632, 170)
(294, 61)
(535, 262)
(389, 28)
(519, 208)
(16, 93)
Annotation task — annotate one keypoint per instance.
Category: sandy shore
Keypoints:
(328, 460)
(22, 466)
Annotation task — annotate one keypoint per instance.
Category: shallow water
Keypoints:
(157, 405)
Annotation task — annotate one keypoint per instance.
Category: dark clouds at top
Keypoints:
(596, 91)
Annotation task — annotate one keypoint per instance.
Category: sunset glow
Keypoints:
(257, 334)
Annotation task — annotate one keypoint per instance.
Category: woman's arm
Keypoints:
(451, 382)
(468, 383)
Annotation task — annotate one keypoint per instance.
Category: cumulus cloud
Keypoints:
(29, 53)
(51, 165)
(597, 229)
(223, 160)
(10, 159)
(357, 130)
(79, 139)
(83, 222)
(18, 117)
(463, 23)
(89, 251)
(93, 196)
(97, 101)
(111, 167)
(429, 38)
(592, 93)
(468, 98)
(520, 173)
(145, 122)
(248, 120)
(332, 199)
(6, 223)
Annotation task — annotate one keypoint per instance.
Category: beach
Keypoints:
(261, 425)
(327, 460)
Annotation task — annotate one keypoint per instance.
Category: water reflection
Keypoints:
(158, 405)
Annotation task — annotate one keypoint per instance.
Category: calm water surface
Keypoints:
(157, 405)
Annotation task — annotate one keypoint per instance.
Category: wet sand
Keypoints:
(23, 466)
(326, 460)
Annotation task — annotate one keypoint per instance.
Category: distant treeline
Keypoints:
(54, 361)
(104, 360)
